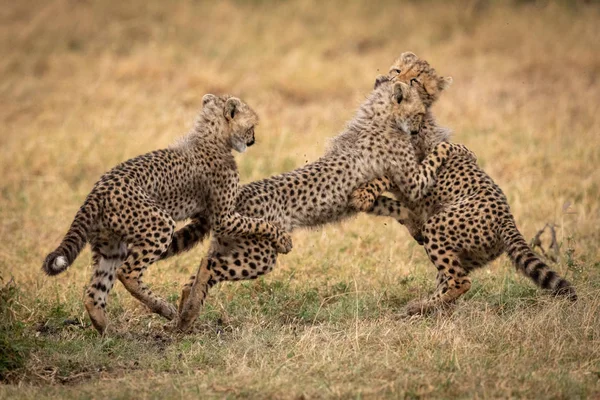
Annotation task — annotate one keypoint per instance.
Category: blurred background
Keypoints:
(87, 84)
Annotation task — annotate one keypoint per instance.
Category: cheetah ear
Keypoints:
(231, 108)
(401, 92)
(207, 98)
(445, 82)
(379, 80)
(408, 57)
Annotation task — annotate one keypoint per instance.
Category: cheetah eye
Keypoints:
(396, 71)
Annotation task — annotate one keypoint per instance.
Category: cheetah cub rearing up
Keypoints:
(464, 220)
(129, 216)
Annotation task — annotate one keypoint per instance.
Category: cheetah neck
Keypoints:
(430, 135)
(207, 131)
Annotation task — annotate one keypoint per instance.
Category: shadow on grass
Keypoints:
(14, 344)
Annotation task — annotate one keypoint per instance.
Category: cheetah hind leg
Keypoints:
(452, 282)
(131, 278)
(185, 293)
(105, 272)
(144, 251)
(243, 261)
(194, 293)
(171, 326)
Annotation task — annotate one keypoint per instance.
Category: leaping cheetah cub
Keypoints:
(375, 142)
(129, 216)
(464, 221)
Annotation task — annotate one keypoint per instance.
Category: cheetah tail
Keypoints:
(187, 237)
(531, 265)
(75, 239)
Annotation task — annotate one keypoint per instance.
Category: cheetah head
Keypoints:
(240, 119)
(407, 108)
(408, 67)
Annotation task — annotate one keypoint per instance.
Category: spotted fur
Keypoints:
(464, 221)
(129, 216)
(375, 142)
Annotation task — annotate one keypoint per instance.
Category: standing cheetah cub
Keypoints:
(129, 216)
(464, 221)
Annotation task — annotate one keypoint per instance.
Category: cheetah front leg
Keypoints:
(238, 226)
(419, 182)
(388, 207)
(363, 198)
(225, 222)
(367, 198)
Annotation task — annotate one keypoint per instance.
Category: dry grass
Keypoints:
(88, 84)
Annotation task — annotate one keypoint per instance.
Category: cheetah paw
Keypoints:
(417, 307)
(284, 244)
(166, 310)
(362, 200)
(427, 307)
(462, 150)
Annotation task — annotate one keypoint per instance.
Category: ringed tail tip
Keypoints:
(55, 264)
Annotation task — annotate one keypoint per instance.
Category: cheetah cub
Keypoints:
(375, 142)
(129, 216)
(464, 221)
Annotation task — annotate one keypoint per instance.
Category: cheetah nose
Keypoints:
(250, 143)
(414, 132)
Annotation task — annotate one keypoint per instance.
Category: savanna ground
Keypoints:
(86, 85)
